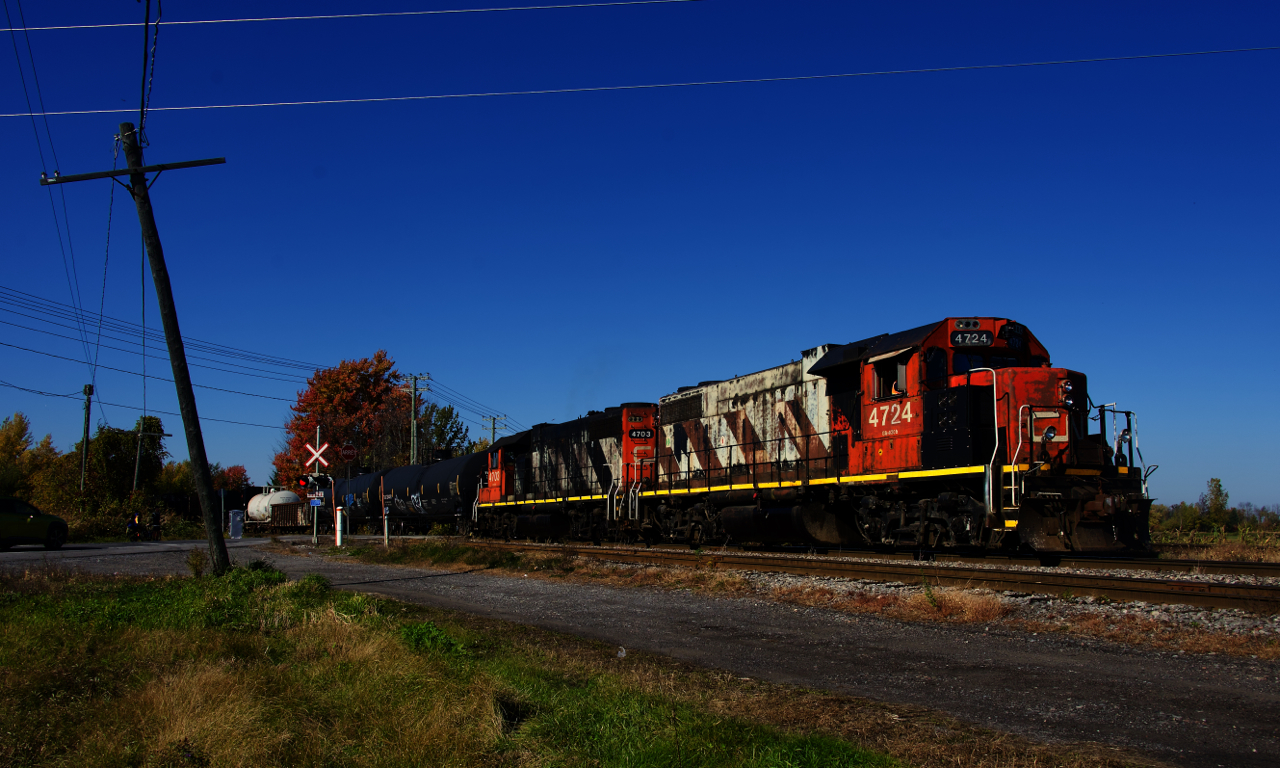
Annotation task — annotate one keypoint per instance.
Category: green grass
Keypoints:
(249, 669)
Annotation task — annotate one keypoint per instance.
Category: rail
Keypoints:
(1255, 598)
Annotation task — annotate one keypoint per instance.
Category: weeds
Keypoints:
(197, 561)
(928, 594)
(426, 636)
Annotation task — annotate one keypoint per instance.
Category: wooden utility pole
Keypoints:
(413, 412)
(177, 351)
(495, 423)
(138, 187)
(84, 447)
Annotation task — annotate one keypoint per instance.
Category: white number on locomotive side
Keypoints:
(887, 415)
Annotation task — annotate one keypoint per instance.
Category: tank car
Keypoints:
(416, 497)
(278, 510)
(956, 434)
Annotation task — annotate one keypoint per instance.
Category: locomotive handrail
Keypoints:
(989, 471)
(609, 508)
(792, 457)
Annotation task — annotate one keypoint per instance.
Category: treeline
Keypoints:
(1213, 512)
(127, 472)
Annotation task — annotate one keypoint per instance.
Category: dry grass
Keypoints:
(1228, 551)
(942, 604)
(233, 713)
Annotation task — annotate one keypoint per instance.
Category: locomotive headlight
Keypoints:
(1050, 433)
(1068, 400)
(1066, 386)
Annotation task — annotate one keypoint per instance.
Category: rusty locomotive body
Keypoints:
(956, 434)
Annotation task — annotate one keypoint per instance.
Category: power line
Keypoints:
(151, 334)
(153, 357)
(73, 281)
(152, 31)
(370, 15)
(293, 380)
(147, 376)
(69, 312)
(654, 86)
(77, 396)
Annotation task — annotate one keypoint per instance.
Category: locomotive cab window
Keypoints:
(891, 376)
(935, 364)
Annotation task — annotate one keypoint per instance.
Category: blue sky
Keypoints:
(547, 254)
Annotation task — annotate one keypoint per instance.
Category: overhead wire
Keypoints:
(73, 282)
(36, 303)
(148, 72)
(373, 15)
(154, 357)
(148, 376)
(76, 396)
(655, 86)
(291, 380)
(483, 409)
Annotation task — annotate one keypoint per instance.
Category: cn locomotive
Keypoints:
(957, 434)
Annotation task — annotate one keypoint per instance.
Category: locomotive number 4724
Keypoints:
(893, 413)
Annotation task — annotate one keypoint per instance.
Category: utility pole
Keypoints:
(84, 446)
(494, 425)
(140, 190)
(413, 412)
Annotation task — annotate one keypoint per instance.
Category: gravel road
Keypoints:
(1192, 710)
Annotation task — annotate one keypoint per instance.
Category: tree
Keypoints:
(15, 441)
(1215, 507)
(232, 478)
(349, 403)
(441, 433)
(20, 461)
(362, 402)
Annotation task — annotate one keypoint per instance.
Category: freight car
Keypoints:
(277, 511)
(415, 497)
(958, 434)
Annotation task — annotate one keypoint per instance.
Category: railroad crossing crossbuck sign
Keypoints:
(315, 455)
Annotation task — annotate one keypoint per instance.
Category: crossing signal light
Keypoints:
(321, 481)
(304, 483)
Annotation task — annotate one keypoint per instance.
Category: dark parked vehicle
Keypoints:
(21, 523)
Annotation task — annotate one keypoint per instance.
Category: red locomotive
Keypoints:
(955, 434)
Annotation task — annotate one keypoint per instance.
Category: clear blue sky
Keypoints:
(547, 254)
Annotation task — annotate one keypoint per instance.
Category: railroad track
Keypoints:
(1254, 598)
(1154, 564)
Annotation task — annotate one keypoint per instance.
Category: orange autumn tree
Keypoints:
(354, 403)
